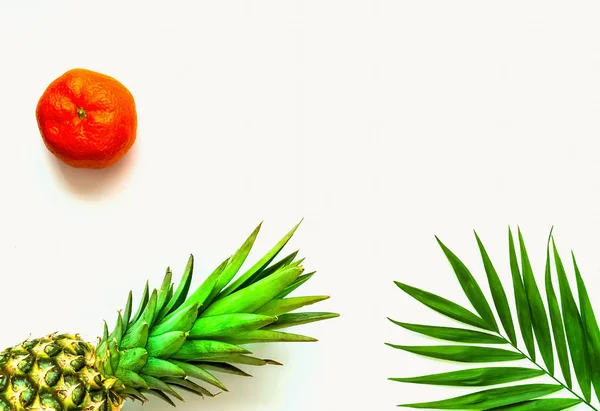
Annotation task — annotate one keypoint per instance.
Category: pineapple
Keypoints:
(174, 341)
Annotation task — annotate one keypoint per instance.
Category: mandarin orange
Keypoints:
(87, 119)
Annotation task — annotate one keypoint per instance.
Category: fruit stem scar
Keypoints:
(81, 112)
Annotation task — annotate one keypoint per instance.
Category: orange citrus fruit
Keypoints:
(87, 119)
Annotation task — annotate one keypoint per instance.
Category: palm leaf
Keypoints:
(560, 328)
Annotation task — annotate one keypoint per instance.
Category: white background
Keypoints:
(382, 123)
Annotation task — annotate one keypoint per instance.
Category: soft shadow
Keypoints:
(95, 184)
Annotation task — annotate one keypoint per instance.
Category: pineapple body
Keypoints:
(56, 372)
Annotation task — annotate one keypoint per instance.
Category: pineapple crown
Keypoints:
(175, 338)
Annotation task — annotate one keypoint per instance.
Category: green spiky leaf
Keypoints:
(182, 320)
(177, 337)
(228, 324)
(162, 368)
(253, 297)
(260, 264)
(167, 344)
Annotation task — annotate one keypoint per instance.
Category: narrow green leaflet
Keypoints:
(462, 353)
(574, 329)
(471, 288)
(443, 306)
(475, 377)
(539, 318)
(498, 293)
(452, 334)
(523, 313)
(545, 404)
(495, 397)
(590, 327)
(557, 324)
